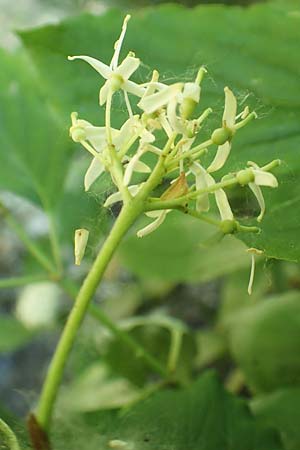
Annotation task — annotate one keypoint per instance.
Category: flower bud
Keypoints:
(245, 177)
(221, 135)
(187, 107)
(228, 226)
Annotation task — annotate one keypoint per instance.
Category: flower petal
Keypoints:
(172, 116)
(223, 205)
(263, 178)
(202, 201)
(101, 68)
(220, 158)
(127, 131)
(153, 225)
(95, 169)
(117, 197)
(156, 101)
(103, 94)
(191, 90)
(230, 108)
(80, 243)
(128, 66)
(118, 44)
(133, 88)
(259, 197)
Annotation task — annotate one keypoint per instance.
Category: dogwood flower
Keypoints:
(117, 76)
(223, 136)
(256, 177)
(204, 180)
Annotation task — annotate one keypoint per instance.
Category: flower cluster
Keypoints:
(172, 111)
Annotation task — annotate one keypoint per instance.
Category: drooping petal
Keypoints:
(202, 201)
(223, 205)
(80, 243)
(260, 199)
(96, 168)
(220, 158)
(230, 108)
(103, 94)
(153, 225)
(118, 44)
(101, 68)
(117, 197)
(262, 178)
(128, 67)
(156, 101)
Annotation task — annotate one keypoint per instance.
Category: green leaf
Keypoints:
(13, 335)
(177, 251)
(201, 417)
(281, 410)
(237, 46)
(264, 341)
(33, 152)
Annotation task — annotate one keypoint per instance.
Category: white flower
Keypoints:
(222, 136)
(261, 178)
(117, 196)
(156, 101)
(94, 139)
(203, 181)
(253, 251)
(117, 76)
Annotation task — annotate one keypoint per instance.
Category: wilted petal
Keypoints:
(262, 178)
(230, 108)
(220, 158)
(80, 243)
(101, 68)
(156, 101)
(259, 197)
(153, 225)
(128, 67)
(95, 169)
(223, 205)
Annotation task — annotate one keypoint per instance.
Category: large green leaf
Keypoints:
(253, 50)
(201, 417)
(265, 340)
(281, 410)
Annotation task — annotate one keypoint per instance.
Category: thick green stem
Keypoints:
(55, 373)
(10, 437)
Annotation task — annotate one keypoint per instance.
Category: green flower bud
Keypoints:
(245, 177)
(116, 82)
(221, 135)
(187, 107)
(228, 226)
